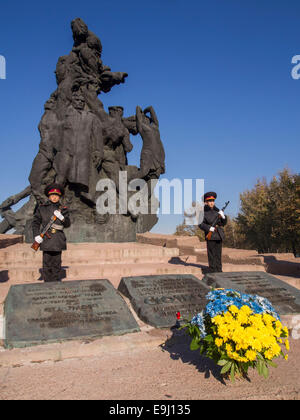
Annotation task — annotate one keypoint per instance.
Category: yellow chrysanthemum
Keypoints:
(233, 309)
(228, 317)
(228, 348)
(218, 319)
(268, 319)
(244, 334)
(223, 330)
(219, 342)
(268, 355)
(287, 344)
(286, 331)
(246, 310)
(251, 355)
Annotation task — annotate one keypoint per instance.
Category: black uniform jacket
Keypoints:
(209, 217)
(41, 218)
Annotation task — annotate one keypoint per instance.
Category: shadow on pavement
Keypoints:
(4, 277)
(63, 273)
(185, 263)
(178, 345)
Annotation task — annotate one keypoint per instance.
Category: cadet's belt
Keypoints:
(56, 227)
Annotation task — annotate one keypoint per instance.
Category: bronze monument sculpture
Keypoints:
(82, 144)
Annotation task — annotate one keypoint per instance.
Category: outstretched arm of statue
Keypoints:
(139, 118)
(110, 79)
(153, 115)
(14, 199)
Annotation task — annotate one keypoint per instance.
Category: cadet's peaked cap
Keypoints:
(210, 196)
(54, 189)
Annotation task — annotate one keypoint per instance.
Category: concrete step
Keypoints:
(85, 253)
(95, 260)
(232, 258)
(92, 271)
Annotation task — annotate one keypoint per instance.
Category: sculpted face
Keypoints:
(50, 104)
(78, 101)
(61, 68)
(116, 111)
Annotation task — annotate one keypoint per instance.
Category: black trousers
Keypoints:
(214, 254)
(51, 266)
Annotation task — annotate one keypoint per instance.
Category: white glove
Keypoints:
(221, 213)
(212, 229)
(58, 214)
(38, 239)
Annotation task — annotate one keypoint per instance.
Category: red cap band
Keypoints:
(54, 191)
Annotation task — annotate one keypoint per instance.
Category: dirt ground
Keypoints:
(155, 372)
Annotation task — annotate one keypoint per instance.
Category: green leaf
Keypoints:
(194, 344)
(202, 348)
(209, 338)
(265, 370)
(259, 366)
(260, 356)
(232, 371)
(222, 362)
(226, 367)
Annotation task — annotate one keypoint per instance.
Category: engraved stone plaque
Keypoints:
(284, 298)
(156, 299)
(51, 312)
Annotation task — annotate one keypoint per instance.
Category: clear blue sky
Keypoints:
(217, 72)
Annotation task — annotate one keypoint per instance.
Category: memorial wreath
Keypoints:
(238, 331)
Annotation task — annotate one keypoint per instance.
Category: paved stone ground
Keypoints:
(165, 372)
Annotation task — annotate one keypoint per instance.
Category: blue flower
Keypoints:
(220, 300)
(199, 321)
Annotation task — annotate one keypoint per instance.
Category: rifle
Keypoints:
(36, 245)
(208, 236)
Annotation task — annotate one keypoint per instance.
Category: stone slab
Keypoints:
(156, 299)
(284, 297)
(51, 312)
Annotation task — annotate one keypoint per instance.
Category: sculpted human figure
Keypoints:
(130, 124)
(82, 69)
(121, 141)
(117, 144)
(152, 162)
(17, 219)
(82, 147)
(49, 145)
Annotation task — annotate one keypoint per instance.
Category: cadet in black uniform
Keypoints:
(214, 245)
(54, 242)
